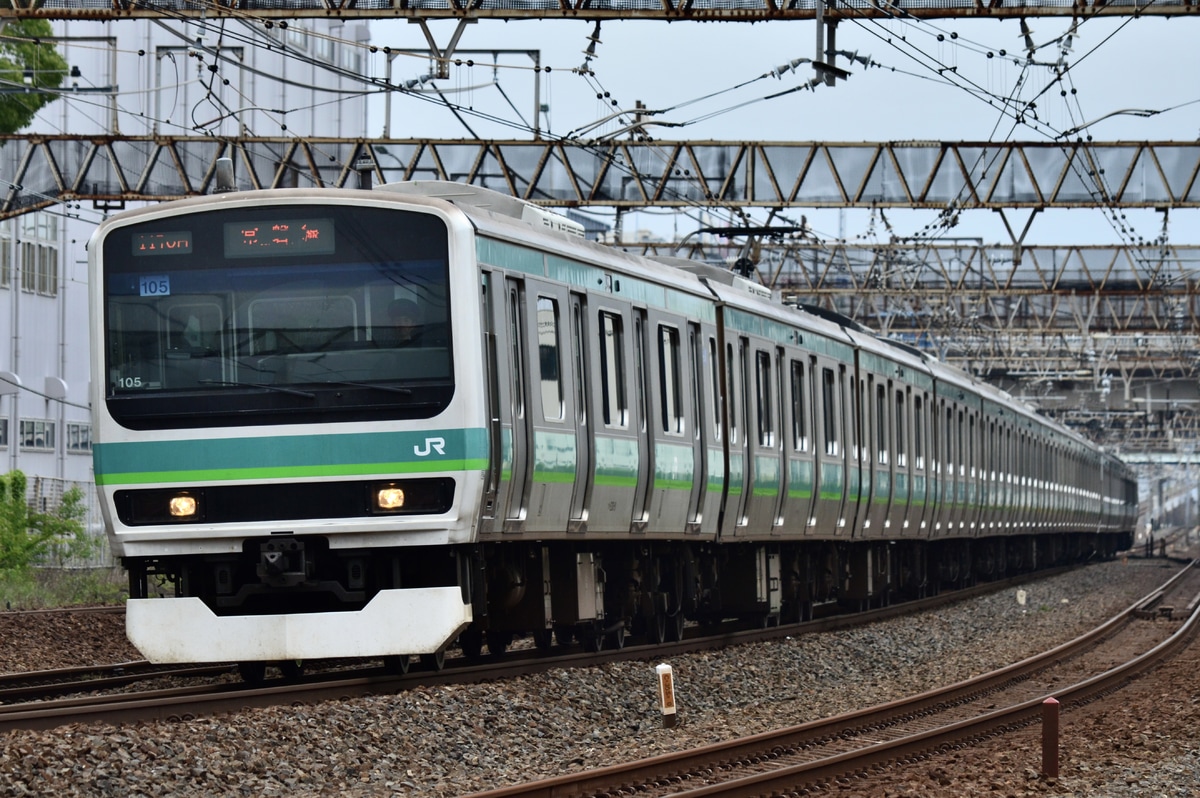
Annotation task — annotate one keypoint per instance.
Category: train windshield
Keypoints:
(297, 313)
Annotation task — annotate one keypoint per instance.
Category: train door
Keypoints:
(898, 522)
(832, 505)
(699, 430)
(713, 438)
(615, 453)
(503, 313)
(943, 476)
(639, 515)
(765, 462)
(581, 498)
(796, 506)
(734, 515)
(877, 433)
(919, 514)
(677, 453)
(974, 504)
(553, 434)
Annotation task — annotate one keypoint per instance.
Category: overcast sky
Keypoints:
(691, 72)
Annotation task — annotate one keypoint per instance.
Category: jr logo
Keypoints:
(431, 445)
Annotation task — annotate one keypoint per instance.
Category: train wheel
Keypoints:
(592, 637)
(616, 639)
(435, 661)
(471, 643)
(252, 672)
(542, 638)
(675, 626)
(498, 641)
(397, 663)
(565, 635)
(292, 669)
(656, 628)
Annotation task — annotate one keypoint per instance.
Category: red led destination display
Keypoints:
(278, 238)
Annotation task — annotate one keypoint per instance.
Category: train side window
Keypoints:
(918, 433)
(762, 373)
(901, 443)
(969, 460)
(670, 381)
(950, 441)
(694, 361)
(714, 370)
(639, 364)
(731, 388)
(515, 336)
(881, 425)
(580, 372)
(614, 404)
(548, 358)
(799, 407)
(829, 411)
(960, 447)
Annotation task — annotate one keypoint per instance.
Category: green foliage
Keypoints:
(27, 536)
(21, 49)
(41, 588)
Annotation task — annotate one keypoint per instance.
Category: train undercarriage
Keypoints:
(595, 593)
(599, 594)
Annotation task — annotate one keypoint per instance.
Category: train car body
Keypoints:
(369, 423)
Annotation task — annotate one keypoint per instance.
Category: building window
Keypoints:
(38, 252)
(3, 433)
(79, 438)
(37, 434)
(6, 250)
(297, 37)
(323, 47)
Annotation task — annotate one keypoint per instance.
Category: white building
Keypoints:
(226, 78)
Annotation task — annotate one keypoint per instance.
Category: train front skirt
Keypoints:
(409, 621)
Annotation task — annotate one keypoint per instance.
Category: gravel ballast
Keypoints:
(453, 740)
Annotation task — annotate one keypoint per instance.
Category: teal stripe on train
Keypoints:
(291, 457)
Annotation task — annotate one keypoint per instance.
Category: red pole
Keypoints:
(1050, 738)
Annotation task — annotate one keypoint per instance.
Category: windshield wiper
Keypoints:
(263, 385)
(376, 386)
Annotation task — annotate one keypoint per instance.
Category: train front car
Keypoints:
(288, 446)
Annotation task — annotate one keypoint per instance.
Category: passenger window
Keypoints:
(548, 358)
(766, 429)
(829, 411)
(799, 408)
(881, 432)
(612, 371)
(670, 381)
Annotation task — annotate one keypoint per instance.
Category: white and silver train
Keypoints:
(368, 423)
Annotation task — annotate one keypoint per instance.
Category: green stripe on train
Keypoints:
(290, 456)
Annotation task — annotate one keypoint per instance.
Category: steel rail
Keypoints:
(192, 701)
(621, 779)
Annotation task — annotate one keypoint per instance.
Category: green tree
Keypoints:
(27, 536)
(22, 54)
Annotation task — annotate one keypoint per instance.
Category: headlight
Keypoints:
(183, 506)
(389, 497)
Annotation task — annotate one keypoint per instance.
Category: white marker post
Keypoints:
(666, 694)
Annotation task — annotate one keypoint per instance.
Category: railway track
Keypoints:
(837, 748)
(32, 701)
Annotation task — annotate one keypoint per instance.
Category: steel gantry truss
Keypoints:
(702, 10)
(1106, 338)
(40, 170)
